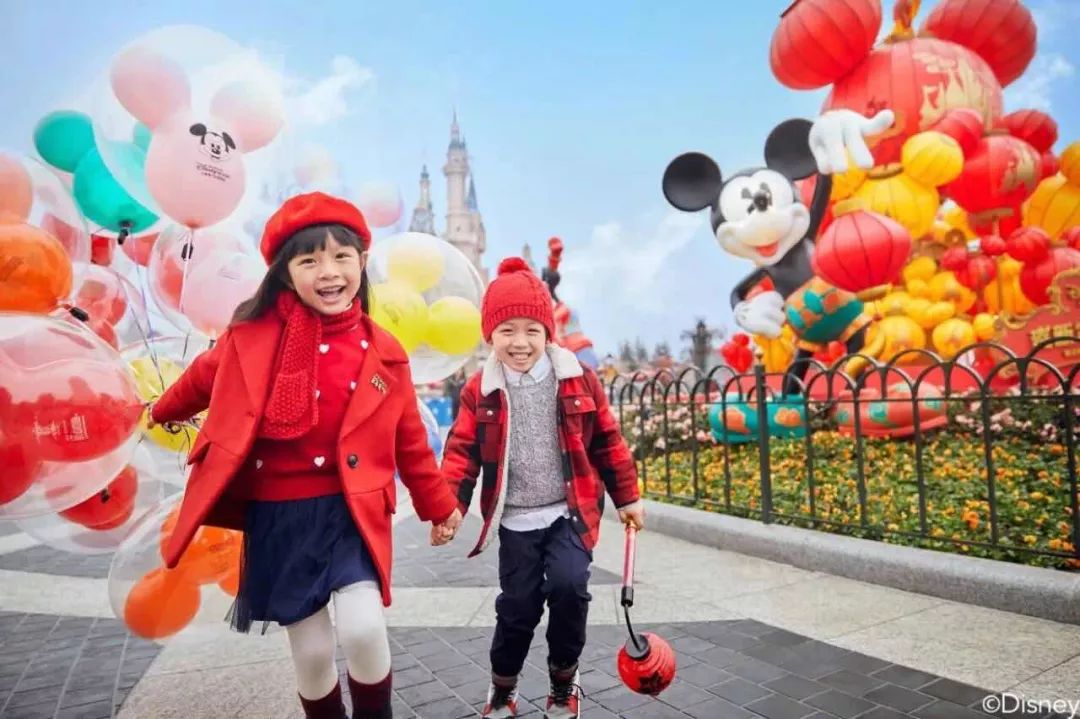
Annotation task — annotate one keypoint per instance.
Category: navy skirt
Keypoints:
(296, 553)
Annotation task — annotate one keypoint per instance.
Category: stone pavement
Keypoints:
(753, 639)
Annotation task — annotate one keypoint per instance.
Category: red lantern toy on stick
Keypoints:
(861, 252)
(646, 662)
(819, 41)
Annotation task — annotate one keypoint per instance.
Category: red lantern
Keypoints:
(1001, 222)
(1001, 173)
(1028, 244)
(963, 125)
(954, 259)
(737, 352)
(1002, 32)
(992, 245)
(1048, 165)
(806, 191)
(819, 41)
(1033, 127)
(919, 80)
(861, 252)
(979, 271)
(1035, 278)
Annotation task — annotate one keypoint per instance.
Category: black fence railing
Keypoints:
(975, 455)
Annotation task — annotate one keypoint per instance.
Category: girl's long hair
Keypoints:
(306, 240)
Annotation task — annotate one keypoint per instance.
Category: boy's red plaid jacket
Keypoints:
(595, 457)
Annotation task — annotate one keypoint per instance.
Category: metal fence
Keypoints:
(975, 454)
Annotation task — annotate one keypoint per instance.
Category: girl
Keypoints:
(312, 409)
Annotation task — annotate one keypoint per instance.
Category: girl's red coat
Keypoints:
(381, 432)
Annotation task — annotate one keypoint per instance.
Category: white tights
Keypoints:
(361, 630)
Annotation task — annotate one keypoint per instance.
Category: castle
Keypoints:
(464, 225)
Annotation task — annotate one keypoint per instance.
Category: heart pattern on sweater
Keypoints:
(320, 461)
(324, 348)
(258, 464)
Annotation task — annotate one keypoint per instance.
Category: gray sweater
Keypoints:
(536, 477)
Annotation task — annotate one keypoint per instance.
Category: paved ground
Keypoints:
(753, 639)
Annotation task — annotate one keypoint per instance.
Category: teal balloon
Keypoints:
(100, 196)
(63, 138)
(141, 136)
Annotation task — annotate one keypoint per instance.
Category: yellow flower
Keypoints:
(1030, 539)
(1037, 495)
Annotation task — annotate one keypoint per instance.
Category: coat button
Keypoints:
(577, 402)
(353, 460)
(490, 412)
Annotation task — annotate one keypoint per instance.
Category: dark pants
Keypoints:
(545, 564)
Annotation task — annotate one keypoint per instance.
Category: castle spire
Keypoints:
(455, 131)
(470, 201)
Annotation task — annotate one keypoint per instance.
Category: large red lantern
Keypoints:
(963, 125)
(1001, 173)
(1035, 278)
(920, 80)
(1033, 127)
(819, 41)
(1002, 32)
(1028, 244)
(861, 251)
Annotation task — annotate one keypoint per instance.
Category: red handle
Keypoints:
(629, 552)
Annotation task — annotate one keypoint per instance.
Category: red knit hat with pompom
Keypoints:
(516, 293)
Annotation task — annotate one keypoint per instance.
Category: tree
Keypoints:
(662, 350)
(626, 356)
(641, 354)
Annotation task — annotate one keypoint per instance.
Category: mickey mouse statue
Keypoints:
(757, 214)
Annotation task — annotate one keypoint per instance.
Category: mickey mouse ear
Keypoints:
(692, 182)
(788, 149)
(149, 85)
(253, 112)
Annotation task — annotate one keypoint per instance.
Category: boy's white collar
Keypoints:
(563, 362)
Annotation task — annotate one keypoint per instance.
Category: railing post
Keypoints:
(761, 396)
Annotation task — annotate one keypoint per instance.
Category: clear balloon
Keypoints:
(114, 303)
(431, 424)
(381, 203)
(99, 524)
(68, 413)
(217, 285)
(162, 86)
(427, 294)
(158, 603)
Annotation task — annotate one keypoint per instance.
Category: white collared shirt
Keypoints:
(534, 376)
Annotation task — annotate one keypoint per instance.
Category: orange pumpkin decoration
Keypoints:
(35, 272)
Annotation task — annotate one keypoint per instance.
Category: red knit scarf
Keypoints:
(291, 410)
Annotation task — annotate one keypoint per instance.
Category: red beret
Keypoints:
(314, 208)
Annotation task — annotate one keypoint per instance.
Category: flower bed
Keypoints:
(1030, 491)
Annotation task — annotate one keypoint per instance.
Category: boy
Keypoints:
(538, 426)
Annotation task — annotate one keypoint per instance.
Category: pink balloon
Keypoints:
(381, 203)
(194, 170)
(254, 112)
(217, 285)
(149, 85)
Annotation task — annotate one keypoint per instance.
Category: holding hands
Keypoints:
(443, 532)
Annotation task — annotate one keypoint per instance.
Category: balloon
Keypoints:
(217, 285)
(315, 165)
(149, 85)
(75, 530)
(63, 138)
(102, 294)
(103, 200)
(254, 113)
(138, 247)
(409, 260)
(381, 203)
(69, 409)
(453, 326)
(155, 365)
(141, 136)
(158, 603)
(35, 272)
(16, 190)
(416, 260)
(432, 427)
(194, 170)
(401, 311)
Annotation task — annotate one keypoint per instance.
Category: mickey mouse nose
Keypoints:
(762, 200)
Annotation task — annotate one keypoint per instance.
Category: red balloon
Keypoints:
(138, 248)
(819, 41)
(861, 250)
(17, 469)
(920, 80)
(102, 294)
(110, 507)
(1033, 127)
(101, 249)
(1035, 278)
(1001, 173)
(1028, 245)
(963, 125)
(1002, 32)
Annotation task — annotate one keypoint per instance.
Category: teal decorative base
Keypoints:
(736, 421)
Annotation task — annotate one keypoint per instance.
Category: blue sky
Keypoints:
(571, 110)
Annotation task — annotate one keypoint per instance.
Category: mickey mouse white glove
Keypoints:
(839, 132)
(762, 315)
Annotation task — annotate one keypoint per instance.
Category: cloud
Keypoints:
(326, 100)
(1034, 89)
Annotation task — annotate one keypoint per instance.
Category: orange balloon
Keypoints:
(212, 553)
(16, 191)
(35, 271)
(161, 604)
(230, 583)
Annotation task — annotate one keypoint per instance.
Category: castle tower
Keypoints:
(423, 217)
(464, 225)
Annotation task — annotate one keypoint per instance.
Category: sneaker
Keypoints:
(501, 702)
(564, 700)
